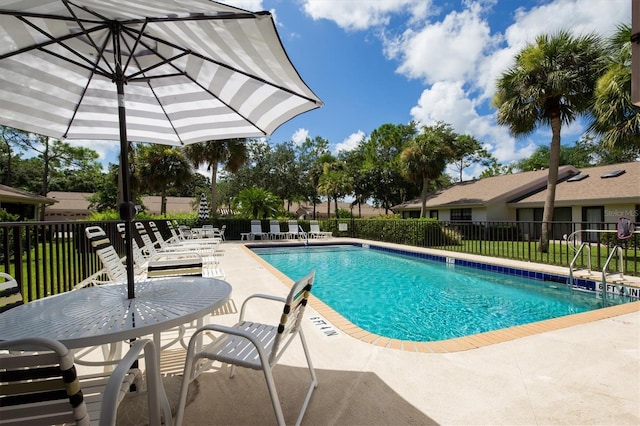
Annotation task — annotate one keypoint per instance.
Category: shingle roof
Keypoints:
(486, 191)
(15, 195)
(624, 188)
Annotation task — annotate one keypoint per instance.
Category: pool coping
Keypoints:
(455, 344)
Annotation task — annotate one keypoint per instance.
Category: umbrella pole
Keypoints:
(127, 208)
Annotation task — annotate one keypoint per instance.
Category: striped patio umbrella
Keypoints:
(163, 71)
(203, 209)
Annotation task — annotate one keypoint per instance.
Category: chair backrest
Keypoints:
(256, 227)
(293, 227)
(293, 311)
(39, 384)
(107, 254)
(10, 294)
(174, 234)
(314, 226)
(138, 256)
(156, 233)
(274, 226)
(146, 239)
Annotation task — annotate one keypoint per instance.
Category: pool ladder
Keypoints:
(587, 245)
(306, 236)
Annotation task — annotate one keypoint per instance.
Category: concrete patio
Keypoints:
(582, 374)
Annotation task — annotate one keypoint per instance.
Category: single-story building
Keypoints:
(589, 195)
(75, 205)
(22, 203)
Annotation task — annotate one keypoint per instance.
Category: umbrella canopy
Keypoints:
(203, 209)
(163, 71)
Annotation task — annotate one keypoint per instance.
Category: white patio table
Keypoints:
(99, 315)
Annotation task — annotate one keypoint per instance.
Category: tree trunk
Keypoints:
(163, 203)
(552, 179)
(214, 189)
(423, 197)
(328, 207)
(335, 204)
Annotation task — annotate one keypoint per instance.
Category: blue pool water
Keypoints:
(406, 298)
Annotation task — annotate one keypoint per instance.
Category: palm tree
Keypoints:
(257, 203)
(616, 119)
(551, 83)
(161, 167)
(425, 158)
(232, 153)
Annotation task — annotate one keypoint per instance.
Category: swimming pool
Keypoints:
(398, 296)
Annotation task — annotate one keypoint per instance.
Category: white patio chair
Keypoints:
(315, 232)
(274, 230)
(10, 294)
(295, 231)
(256, 231)
(253, 345)
(39, 385)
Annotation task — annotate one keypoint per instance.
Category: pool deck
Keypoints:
(580, 369)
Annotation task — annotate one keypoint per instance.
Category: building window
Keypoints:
(460, 214)
(433, 214)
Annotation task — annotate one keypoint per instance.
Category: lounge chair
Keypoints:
(41, 386)
(256, 231)
(170, 263)
(165, 245)
(315, 232)
(253, 345)
(207, 251)
(295, 231)
(274, 230)
(10, 294)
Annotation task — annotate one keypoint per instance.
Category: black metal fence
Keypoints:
(52, 257)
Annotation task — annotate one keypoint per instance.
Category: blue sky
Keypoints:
(392, 61)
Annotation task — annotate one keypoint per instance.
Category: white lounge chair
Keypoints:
(253, 345)
(256, 231)
(295, 230)
(274, 230)
(207, 251)
(315, 232)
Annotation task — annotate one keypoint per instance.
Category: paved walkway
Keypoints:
(581, 374)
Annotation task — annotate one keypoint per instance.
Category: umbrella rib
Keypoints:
(223, 65)
(185, 51)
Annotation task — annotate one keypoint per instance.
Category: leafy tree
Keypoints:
(425, 158)
(285, 173)
(361, 182)
(105, 195)
(381, 164)
(162, 167)
(616, 119)
(12, 140)
(496, 169)
(335, 182)
(256, 203)
(551, 83)
(230, 153)
(467, 151)
(309, 154)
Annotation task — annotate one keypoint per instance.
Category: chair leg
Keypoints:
(275, 401)
(314, 379)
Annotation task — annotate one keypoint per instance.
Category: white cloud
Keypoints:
(350, 142)
(358, 15)
(300, 136)
(448, 102)
(443, 51)
(579, 16)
